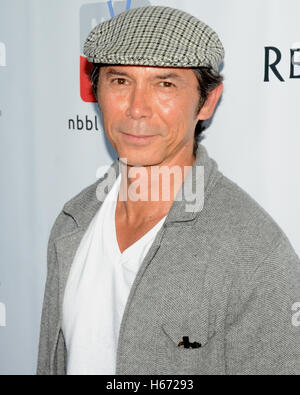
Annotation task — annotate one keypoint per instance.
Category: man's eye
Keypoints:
(167, 84)
(119, 81)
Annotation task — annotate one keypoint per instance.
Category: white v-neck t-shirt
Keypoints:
(97, 290)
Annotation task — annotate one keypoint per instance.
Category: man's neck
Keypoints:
(147, 193)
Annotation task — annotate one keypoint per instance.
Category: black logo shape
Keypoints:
(186, 343)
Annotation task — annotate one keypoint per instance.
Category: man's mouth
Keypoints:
(138, 138)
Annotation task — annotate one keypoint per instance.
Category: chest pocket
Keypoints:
(175, 359)
(193, 306)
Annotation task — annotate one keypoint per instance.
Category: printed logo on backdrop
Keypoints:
(91, 15)
(274, 56)
(2, 59)
(2, 55)
(2, 315)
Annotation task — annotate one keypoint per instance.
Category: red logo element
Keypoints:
(86, 91)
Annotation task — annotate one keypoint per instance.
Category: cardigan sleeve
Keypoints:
(263, 335)
(49, 316)
(43, 366)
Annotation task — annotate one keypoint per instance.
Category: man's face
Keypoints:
(145, 101)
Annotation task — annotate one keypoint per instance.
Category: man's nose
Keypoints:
(139, 103)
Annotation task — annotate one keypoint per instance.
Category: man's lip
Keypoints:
(138, 135)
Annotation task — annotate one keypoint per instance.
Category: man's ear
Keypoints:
(209, 107)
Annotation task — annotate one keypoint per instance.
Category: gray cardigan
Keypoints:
(226, 277)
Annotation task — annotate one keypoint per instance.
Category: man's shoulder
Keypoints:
(82, 198)
(241, 211)
(81, 208)
(84, 202)
(241, 229)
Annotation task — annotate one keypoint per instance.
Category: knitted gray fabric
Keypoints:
(155, 36)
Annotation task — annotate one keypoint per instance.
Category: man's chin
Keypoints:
(138, 160)
(135, 163)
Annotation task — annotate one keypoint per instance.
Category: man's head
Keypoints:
(161, 101)
(207, 82)
(155, 73)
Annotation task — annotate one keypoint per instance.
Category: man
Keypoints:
(162, 286)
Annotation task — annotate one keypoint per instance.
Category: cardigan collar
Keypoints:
(84, 206)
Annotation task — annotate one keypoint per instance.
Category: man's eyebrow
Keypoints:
(112, 72)
(116, 72)
(169, 75)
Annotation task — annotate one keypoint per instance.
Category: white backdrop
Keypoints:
(46, 159)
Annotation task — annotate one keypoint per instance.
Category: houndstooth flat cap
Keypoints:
(155, 36)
